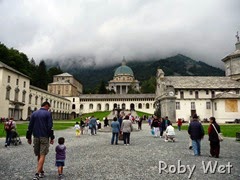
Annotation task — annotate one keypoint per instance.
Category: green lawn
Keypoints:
(226, 130)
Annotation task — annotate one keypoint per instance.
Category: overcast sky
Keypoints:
(107, 30)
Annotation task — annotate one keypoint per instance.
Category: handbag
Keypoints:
(152, 131)
(220, 137)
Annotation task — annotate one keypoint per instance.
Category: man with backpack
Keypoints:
(9, 125)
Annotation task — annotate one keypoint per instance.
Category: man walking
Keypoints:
(40, 126)
(196, 132)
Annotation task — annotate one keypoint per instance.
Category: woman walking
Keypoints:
(213, 131)
(126, 129)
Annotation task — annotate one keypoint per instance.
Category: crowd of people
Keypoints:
(41, 128)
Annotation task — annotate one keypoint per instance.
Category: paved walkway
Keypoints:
(92, 157)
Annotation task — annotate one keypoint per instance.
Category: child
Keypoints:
(60, 156)
(77, 127)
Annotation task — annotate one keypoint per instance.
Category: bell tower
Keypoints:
(232, 62)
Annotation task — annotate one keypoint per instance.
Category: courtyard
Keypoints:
(92, 157)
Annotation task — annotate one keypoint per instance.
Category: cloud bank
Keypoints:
(107, 30)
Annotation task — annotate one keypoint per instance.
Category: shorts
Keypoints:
(60, 163)
(41, 146)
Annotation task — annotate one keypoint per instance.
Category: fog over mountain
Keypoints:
(97, 33)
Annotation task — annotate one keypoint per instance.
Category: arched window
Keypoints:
(81, 107)
(30, 98)
(16, 94)
(106, 107)
(90, 106)
(8, 92)
(36, 100)
(73, 106)
(23, 96)
(139, 106)
(147, 106)
(99, 107)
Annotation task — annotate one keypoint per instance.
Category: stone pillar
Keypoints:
(168, 108)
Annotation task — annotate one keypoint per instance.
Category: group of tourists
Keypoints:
(196, 132)
(41, 128)
(122, 128)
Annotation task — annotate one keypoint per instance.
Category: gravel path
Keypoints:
(92, 157)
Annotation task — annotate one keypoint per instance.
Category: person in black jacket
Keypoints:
(196, 132)
(213, 137)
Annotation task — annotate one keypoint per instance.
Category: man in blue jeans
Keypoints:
(196, 132)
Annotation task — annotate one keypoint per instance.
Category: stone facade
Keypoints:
(65, 85)
(183, 96)
(18, 99)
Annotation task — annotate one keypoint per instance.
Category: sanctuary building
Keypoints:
(175, 96)
(183, 96)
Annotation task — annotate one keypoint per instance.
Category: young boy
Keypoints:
(60, 156)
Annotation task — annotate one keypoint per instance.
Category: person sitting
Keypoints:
(170, 133)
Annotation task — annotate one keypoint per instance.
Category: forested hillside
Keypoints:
(95, 78)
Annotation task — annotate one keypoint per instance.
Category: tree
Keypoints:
(102, 88)
(41, 79)
(52, 72)
(149, 85)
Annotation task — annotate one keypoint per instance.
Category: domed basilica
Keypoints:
(123, 80)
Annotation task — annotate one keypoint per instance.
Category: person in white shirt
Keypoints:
(170, 133)
(77, 128)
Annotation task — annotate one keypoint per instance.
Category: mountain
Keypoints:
(179, 65)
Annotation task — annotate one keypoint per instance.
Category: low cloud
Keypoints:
(105, 31)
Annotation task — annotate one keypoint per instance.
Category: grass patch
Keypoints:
(226, 130)
(99, 115)
(22, 128)
(140, 114)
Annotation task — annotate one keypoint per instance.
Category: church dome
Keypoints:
(123, 69)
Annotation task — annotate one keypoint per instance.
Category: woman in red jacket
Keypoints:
(213, 137)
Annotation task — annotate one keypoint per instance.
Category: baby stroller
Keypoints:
(15, 138)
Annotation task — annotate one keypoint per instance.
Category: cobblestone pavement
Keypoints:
(92, 157)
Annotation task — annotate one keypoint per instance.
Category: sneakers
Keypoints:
(60, 176)
(36, 177)
(41, 175)
(166, 140)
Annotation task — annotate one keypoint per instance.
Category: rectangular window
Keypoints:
(207, 92)
(182, 95)
(213, 94)
(196, 95)
(17, 81)
(237, 91)
(176, 92)
(193, 106)
(177, 105)
(73, 99)
(9, 79)
(24, 84)
(190, 92)
(215, 106)
(208, 105)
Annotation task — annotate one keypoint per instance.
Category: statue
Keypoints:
(237, 37)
